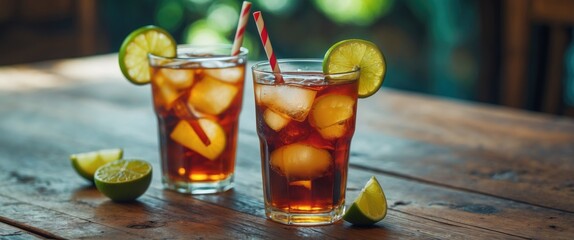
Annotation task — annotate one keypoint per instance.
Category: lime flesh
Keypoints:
(351, 54)
(133, 54)
(369, 207)
(124, 180)
(87, 163)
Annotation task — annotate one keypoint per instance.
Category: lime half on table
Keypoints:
(369, 207)
(350, 54)
(123, 180)
(135, 48)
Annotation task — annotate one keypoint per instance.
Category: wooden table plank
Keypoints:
(39, 145)
(423, 157)
(445, 205)
(51, 223)
(497, 151)
(159, 212)
(440, 206)
(12, 233)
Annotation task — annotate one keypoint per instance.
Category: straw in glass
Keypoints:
(267, 45)
(241, 24)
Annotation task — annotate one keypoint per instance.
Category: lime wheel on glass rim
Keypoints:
(351, 54)
(133, 54)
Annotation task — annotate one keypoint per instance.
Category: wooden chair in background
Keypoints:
(24, 36)
(518, 18)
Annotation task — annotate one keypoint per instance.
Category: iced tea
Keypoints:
(197, 99)
(305, 126)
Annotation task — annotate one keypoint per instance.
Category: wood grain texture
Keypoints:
(450, 170)
(515, 51)
(50, 182)
(14, 233)
(555, 67)
(497, 151)
(553, 11)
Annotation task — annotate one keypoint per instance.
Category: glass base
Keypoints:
(305, 219)
(199, 187)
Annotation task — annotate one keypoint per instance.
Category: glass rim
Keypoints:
(256, 67)
(242, 53)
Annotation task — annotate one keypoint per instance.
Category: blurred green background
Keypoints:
(420, 39)
(452, 48)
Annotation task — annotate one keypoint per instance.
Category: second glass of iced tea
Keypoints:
(305, 123)
(197, 99)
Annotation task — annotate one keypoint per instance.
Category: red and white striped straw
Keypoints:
(243, 18)
(267, 44)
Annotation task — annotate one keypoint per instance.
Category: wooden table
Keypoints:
(450, 169)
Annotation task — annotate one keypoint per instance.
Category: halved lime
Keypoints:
(350, 54)
(135, 48)
(369, 207)
(123, 180)
(87, 163)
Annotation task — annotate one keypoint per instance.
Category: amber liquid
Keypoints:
(180, 163)
(322, 192)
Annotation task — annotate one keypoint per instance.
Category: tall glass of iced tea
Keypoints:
(197, 98)
(305, 124)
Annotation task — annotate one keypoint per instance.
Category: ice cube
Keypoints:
(330, 113)
(331, 109)
(300, 161)
(184, 134)
(230, 75)
(333, 131)
(167, 96)
(291, 101)
(209, 64)
(294, 132)
(316, 140)
(212, 96)
(274, 120)
(257, 90)
(302, 183)
(164, 93)
(178, 78)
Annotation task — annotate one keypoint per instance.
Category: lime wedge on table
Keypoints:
(347, 55)
(369, 207)
(124, 180)
(135, 48)
(87, 163)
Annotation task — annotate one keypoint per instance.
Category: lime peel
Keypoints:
(123, 180)
(350, 54)
(87, 163)
(370, 206)
(132, 57)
